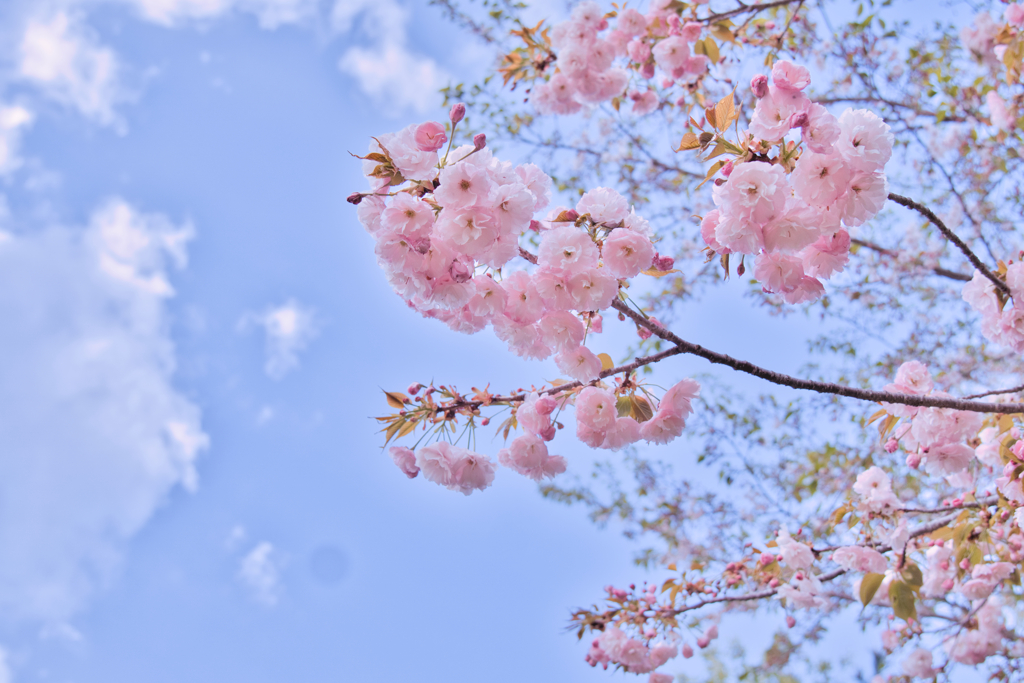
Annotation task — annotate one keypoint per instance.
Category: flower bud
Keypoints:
(535, 225)
(430, 136)
(687, 651)
(460, 272)
(766, 559)
(647, 70)
(913, 460)
(727, 169)
(479, 141)
(486, 421)
(597, 323)
(891, 445)
(790, 621)
(355, 198)
(545, 405)
(759, 85)
(663, 263)
(414, 388)
(457, 113)
(703, 642)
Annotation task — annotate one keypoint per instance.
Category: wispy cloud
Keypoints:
(288, 329)
(13, 122)
(95, 434)
(397, 78)
(260, 572)
(63, 57)
(269, 13)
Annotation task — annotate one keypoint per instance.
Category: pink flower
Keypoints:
(489, 298)
(821, 130)
(755, 191)
(562, 330)
(537, 182)
(856, 558)
(626, 253)
(580, 363)
(528, 455)
(531, 417)
(890, 639)
(820, 179)
(793, 230)
(661, 653)
(409, 216)
(912, 378)
(774, 113)
(677, 400)
(471, 472)
(405, 459)
(778, 272)
(1015, 15)
(662, 428)
(524, 302)
(999, 114)
(643, 102)
(867, 194)
(759, 85)
(553, 288)
(462, 185)
(624, 432)
(595, 408)
(865, 140)
(918, 664)
(632, 22)
(875, 489)
(670, 54)
(708, 224)
(567, 249)
(828, 255)
(660, 678)
(795, 554)
(430, 136)
(638, 51)
(604, 205)
(592, 290)
(437, 462)
(789, 76)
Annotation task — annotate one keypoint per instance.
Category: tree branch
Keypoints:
(951, 274)
(743, 9)
(952, 237)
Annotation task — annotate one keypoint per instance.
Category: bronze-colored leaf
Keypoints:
(396, 399)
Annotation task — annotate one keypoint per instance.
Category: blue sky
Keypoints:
(195, 337)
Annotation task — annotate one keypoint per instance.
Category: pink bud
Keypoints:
(414, 388)
(687, 651)
(460, 272)
(486, 421)
(545, 405)
(535, 225)
(790, 621)
(891, 445)
(703, 642)
(727, 169)
(355, 198)
(759, 85)
(947, 585)
(766, 559)
(663, 263)
(457, 113)
(774, 583)
(597, 323)
(712, 632)
(769, 25)
(647, 70)
(603, 25)
(570, 215)
(549, 433)
(430, 136)
(913, 460)
(965, 564)
(479, 141)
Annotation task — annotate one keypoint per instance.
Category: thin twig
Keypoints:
(1014, 390)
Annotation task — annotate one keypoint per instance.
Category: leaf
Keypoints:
(876, 416)
(725, 112)
(659, 273)
(641, 408)
(396, 399)
(912, 575)
(715, 167)
(606, 361)
(390, 432)
(722, 32)
(623, 406)
(902, 598)
(407, 428)
(711, 50)
(711, 117)
(869, 586)
(689, 141)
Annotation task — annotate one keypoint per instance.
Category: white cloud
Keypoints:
(388, 71)
(260, 572)
(5, 669)
(63, 57)
(94, 433)
(269, 13)
(13, 120)
(289, 328)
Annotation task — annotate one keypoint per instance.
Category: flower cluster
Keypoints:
(445, 230)
(614, 646)
(794, 222)
(1002, 321)
(584, 66)
(934, 436)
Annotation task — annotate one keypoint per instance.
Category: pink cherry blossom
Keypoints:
(857, 558)
(405, 459)
(875, 489)
(595, 408)
(623, 432)
(918, 664)
(430, 136)
(865, 140)
(567, 249)
(528, 455)
(604, 205)
(579, 363)
(626, 253)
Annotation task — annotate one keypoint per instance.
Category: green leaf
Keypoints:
(912, 575)
(869, 586)
(902, 598)
(623, 406)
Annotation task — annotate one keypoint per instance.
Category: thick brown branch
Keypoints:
(796, 382)
(952, 237)
(743, 9)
